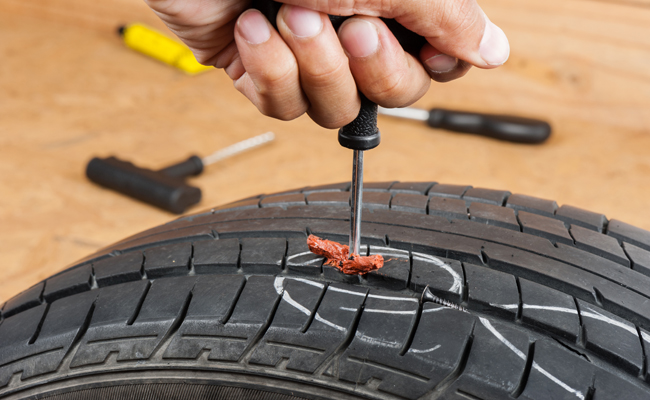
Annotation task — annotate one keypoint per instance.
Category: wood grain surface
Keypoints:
(70, 90)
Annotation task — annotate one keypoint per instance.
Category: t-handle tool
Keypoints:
(165, 188)
(362, 133)
(359, 135)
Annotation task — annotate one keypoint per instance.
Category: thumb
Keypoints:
(458, 28)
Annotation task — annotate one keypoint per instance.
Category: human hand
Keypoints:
(306, 66)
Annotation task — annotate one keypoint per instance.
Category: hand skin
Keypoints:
(307, 66)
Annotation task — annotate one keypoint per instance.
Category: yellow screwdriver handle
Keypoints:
(146, 40)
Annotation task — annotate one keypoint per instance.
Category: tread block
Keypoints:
(292, 318)
(171, 259)
(378, 186)
(640, 258)
(67, 283)
(262, 255)
(444, 277)
(238, 205)
(416, 203)
(449, 191)
(252, 312)
(557, 373)
(334, 187)
(609, 387)
(549, 309)
(599, 244)
(545, 227)
(212, 256)
(448, 208)
(532, 205)
(628, 233)
(120, 325)
(612, 337)
(123, 268)
(412, 187)
(384, 328)
(15, 334)
(61, 325)
(376, 199)
(396, 270)
(214, 298)
(578, 216)
(283, 200)
(301, 260)
(329, 328)
(491, 292)
(341, 199)
(493, 368)
(24, 300)
(490, 214)
(489, 196)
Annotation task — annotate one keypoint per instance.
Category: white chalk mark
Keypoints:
(299, 255)
(375, 310)
(434, 348)
(307, 281)
(593, 314)
(389, 252)
(287, 297)
(278, 283)
(428, 310)
(335, 289)
(458, 281)
(536, 366)
(317, 317)
(376, 296)
(645, 336)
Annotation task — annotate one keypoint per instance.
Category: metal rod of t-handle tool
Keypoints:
(357, 201)
(359, 135)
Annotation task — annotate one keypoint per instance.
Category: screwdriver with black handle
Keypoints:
(361, 134)
(503, 127)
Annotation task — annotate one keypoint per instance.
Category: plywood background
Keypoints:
(70, 90)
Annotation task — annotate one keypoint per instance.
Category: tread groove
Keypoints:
(644, 358)
(520, 306)
(344, 345)
(305, 328)
(248, 352)
(136, 312)
(582, 331)
(526, 373)
(233, 304)
(412, 331)
(32, 340)
(442, 388)
(171, 332)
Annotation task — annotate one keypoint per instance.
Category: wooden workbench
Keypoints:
(70, 90)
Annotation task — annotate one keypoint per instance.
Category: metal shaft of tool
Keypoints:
(357, 201)
(239, 147)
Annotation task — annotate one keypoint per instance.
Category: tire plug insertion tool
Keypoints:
(165, 188)
(502, 127)
(362, 133)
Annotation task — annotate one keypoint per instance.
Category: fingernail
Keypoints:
(494, 48)
(303, 22)
(441, 63)
(253, 27)
(359, 37)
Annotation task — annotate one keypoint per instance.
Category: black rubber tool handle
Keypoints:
(167, 191)
(191, 167)
(362, 133)
(504, 127)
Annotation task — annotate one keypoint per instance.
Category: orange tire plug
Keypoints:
(338, 255)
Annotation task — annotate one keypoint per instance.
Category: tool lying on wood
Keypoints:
(503, 127)
(164, 188)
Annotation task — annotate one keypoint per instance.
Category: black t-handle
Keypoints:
(362, 133)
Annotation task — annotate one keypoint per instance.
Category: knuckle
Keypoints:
(390, 88)
(324, 73)
(458, 16)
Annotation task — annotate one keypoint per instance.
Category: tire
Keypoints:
(535, 301)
